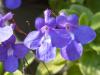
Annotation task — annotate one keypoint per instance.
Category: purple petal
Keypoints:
(39, 23)
(51, 22)
(61, 20)
(11, 40)
(8, 16)
(73, 19)
(12, 4)
(84, 34)
(5, 33)
(60, 37)
(20, 50)
(48, 55)
(11, 64)
(46, 52)
(47, 14)
(32, 40)
(3, 53)
(72, 52)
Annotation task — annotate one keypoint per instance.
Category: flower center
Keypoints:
(67, 27)
(44, 28)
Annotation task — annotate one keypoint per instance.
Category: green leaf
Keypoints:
(74, 70)
(57, 5)
(67, 11)
(58, 60)
(96, 43)
(96, 21)
(17, 72)
(83, 19)
(81, 9)
(90, 63)
(51, 67)
(29, 57)
(1, 68)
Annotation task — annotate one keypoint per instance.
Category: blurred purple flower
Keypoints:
(81, 35)
(5, 31)
(12, 4)
(11, 52)
(46, 38)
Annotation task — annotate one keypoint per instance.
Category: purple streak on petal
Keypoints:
(5, 33)
(3, 53)
(84, 34)
(39, 23)
(12, 4)
(51, 22)
(48, 55)
(47, 14)
(46, 52)
(20, 50)
(60, 37)
(72, 52)
(32, 40)
(11, 64)
(61, 21)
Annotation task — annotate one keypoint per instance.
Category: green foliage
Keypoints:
(90, 63)
(14, 73)
(96, 21)
(74, 70)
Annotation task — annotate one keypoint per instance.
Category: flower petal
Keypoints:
(39, 23)
(33, 39)
(60, 37)
(84, 34)
(46, 52)
(20, 50)
(5, 33)
(61, 21)
(8, 16)
(72, 52)
(49, 54)
(47, 14)
(3, 53)
(12, 4)
(11, 40)
(11, 64)
(73, 19)
(51, 22)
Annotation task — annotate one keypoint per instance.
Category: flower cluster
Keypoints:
(10, 52)
(61, 32)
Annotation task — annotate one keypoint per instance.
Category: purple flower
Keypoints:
(5, 31)
(46, 38)
(10, 53)
(81, 35)
(12, 4)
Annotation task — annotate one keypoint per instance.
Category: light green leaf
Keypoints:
(29, 57)
(51, 67)
(58, 60)
(83, 19)
(17, 72)
(81, 9)
(96, 21)
(90, 63)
